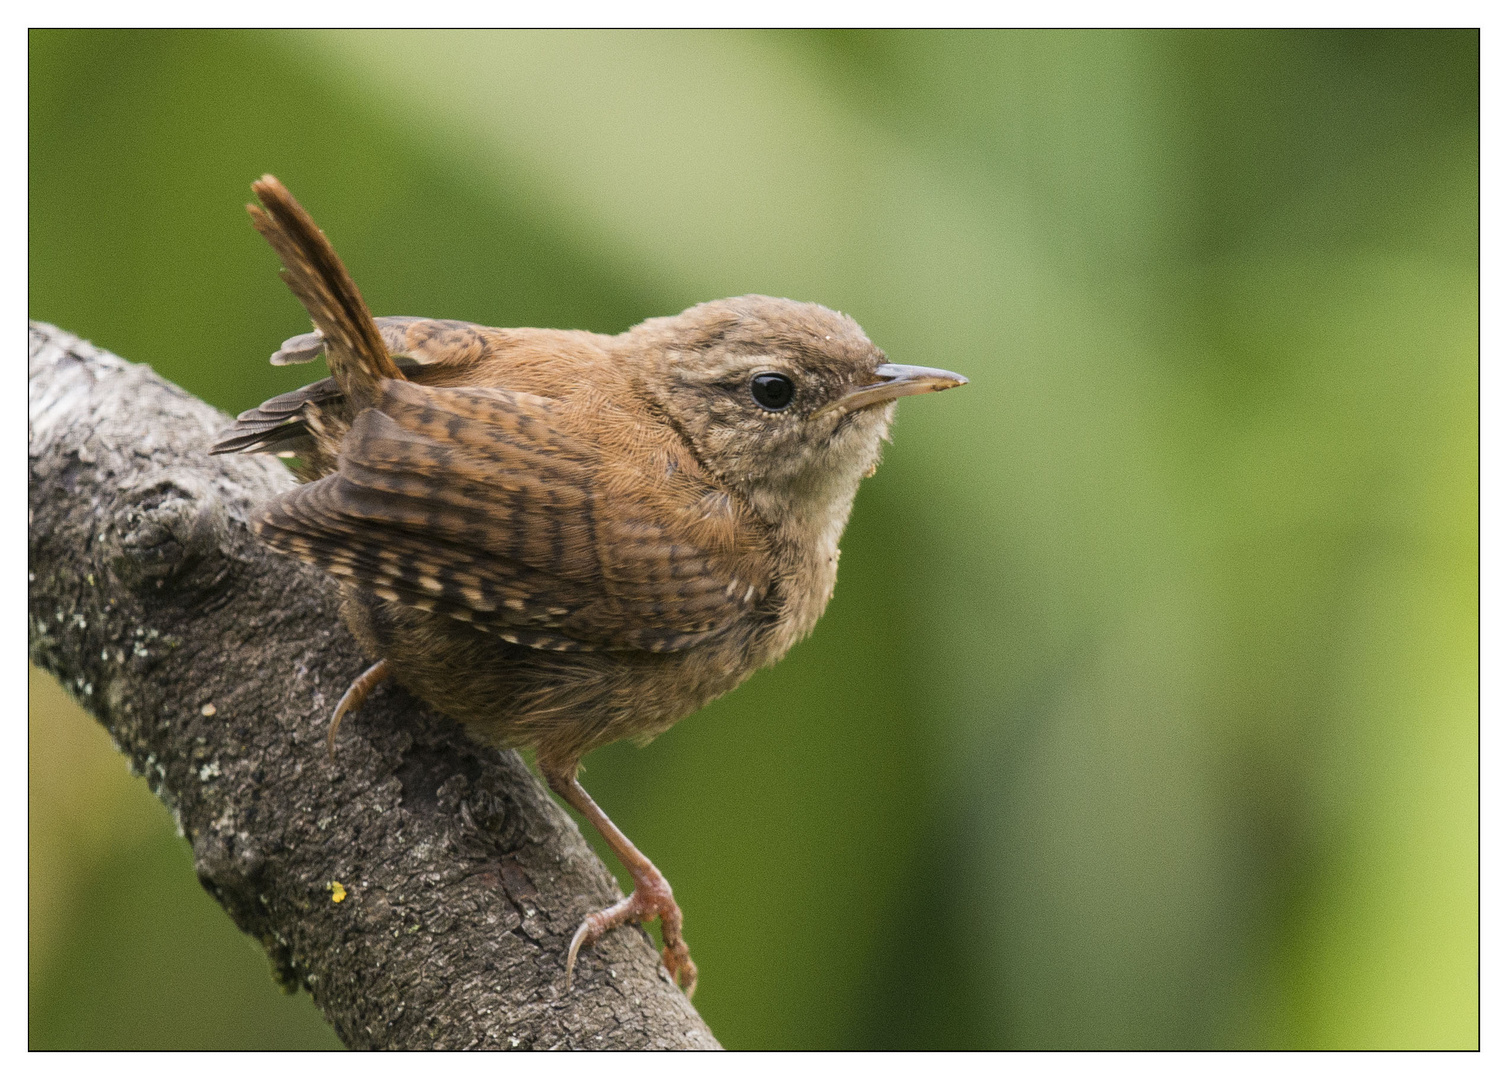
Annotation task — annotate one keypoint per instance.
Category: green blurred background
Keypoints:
(1145, 713)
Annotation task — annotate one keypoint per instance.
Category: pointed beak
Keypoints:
(896, 381)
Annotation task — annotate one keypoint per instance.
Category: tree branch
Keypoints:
(214, 665)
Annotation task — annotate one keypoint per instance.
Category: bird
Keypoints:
(559, 538)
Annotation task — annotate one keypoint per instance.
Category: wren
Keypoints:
(560, 538)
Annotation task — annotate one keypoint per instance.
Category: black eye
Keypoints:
(772, 390)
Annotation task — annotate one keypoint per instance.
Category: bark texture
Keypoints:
(422, 888)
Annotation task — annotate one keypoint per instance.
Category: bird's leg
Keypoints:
(650, 899)
(355, 694)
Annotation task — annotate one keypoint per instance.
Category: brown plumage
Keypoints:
(560, 538)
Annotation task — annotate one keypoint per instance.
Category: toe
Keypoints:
(642, 905)
(681, 967)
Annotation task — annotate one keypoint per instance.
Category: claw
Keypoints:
(355, 694)
(576, 942)
(681, 967)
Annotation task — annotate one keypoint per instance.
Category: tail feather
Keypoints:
(278, 424)
(354, 347)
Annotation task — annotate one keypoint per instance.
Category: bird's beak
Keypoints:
(896, 381)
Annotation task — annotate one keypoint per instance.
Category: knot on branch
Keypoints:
(231, 868)
(173, 532)
(478, 816)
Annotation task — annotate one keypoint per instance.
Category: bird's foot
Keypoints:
(651, 899)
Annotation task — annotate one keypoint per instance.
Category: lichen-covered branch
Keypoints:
(422, 888)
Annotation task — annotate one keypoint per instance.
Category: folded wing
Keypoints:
(480, 505)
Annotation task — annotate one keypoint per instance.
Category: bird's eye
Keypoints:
(772, 390)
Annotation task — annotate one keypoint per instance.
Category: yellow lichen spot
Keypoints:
(337, 892)
(207, 709)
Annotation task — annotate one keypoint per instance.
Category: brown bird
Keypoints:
(559, 538)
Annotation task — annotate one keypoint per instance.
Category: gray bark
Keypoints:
(214, 664)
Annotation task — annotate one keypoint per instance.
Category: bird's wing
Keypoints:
(280, 424)
(277, 424)
(480, 504)
(422, 341)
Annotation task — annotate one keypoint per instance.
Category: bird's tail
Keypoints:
(354, 347)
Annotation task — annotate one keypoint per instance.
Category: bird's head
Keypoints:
(787, 403)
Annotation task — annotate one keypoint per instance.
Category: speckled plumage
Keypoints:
(560, 538)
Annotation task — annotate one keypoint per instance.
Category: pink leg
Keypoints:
(650, 899)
